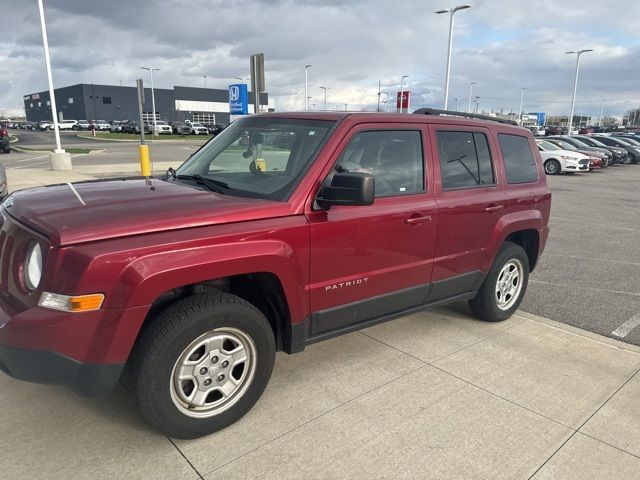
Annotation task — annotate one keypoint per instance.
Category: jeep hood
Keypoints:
(88, 211)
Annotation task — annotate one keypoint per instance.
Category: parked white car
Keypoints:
(197, 128)
(102, 125)
(556, 160)
(162, 128)
(67, 124)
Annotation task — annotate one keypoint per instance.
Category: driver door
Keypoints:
(371, 261)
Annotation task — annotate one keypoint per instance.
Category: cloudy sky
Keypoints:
(501, 45)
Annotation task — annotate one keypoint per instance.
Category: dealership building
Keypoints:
(110, 102)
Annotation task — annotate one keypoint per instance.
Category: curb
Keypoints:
(90, 152)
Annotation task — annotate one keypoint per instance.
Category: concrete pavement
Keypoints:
(432, 395)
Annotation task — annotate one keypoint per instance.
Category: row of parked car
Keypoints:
(585, 152)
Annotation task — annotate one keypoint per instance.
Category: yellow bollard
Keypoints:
(145, 164)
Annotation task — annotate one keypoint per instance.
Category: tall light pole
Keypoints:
(521, 101)
(325, 97)
(386, 101)
(204, 77)
(575, 83)
(451, 12)
(402, 91)
(624, 106)
(601, 112)
(61, 163)
(306, 86)
(476, 100)
(456, 99)
(153, 100)
(470, 92)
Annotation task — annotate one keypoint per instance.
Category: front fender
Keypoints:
(146, 278)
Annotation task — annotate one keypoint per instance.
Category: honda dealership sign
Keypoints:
(238, 99)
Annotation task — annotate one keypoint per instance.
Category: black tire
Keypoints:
(632, 158)
(552, 167)
(162, 344)
(485, 305)
(626, 160)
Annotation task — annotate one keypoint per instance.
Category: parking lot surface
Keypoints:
(589, 274)
(432, 395)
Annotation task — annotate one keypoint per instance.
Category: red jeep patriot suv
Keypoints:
(284, 230)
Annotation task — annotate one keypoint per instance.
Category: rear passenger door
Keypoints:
(471, 200)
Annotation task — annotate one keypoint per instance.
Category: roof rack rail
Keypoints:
(433, 111)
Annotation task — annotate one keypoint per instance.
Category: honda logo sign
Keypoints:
(238, 99)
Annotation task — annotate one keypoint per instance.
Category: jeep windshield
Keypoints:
(258, 157)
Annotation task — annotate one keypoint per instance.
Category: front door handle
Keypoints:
(492, 208)
(417, 220)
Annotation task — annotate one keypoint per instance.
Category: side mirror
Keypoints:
(348, 188)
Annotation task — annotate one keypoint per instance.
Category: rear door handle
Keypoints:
(493, 208)
(417, 220)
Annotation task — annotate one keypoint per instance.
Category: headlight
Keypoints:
(33, 266)
(567, 157)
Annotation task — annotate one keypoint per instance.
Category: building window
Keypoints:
(70, 100)
(39, 104)
(206, 118)
(48, 103)
(106, 100)
(31, 105)
(148, 116)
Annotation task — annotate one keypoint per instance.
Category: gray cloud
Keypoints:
(503, 46)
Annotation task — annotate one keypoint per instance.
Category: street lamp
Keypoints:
(402, 91)
(60, 160)
(456, 99)
(306, 87)
(242, 79)
(153, 100)
(451, 12)
(575, 83)
(204, 77)
(521, 100)
(325, 97)
(624, 106)
(476, 100)
(386, 100)
(470, 92)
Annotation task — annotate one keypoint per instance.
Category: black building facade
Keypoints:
(111, 102)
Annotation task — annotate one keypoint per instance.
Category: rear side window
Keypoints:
(465, 160)
(519, 161)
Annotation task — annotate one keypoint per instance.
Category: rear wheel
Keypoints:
(202, 364)
(552, 167)
(502, 291)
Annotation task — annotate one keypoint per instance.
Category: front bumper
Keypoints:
(41, 366)
(85, 352)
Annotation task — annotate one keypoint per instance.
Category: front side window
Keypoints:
(258, 157)
(519, 161)
(465, 160)
(394, 157)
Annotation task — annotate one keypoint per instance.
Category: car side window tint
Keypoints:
(394, 157)
(465, 160)
(519, 162)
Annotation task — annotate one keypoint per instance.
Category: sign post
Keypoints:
(145, 164)
(257, 79)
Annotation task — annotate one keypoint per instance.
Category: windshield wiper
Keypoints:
(213, 185)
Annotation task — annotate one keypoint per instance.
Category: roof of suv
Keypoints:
(416, 117)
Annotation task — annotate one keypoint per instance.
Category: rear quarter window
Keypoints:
(519, 162)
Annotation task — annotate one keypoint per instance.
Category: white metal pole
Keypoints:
(306, 86)
(153, 104)
(470, 92)
(573, 98)
(521, 101)
(601, 112)
(52, 99)
(446, 81)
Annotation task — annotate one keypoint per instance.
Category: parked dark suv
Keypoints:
(186, 287)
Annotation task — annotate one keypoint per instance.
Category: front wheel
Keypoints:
(502, 291)
(552, 167)
(202, 364)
